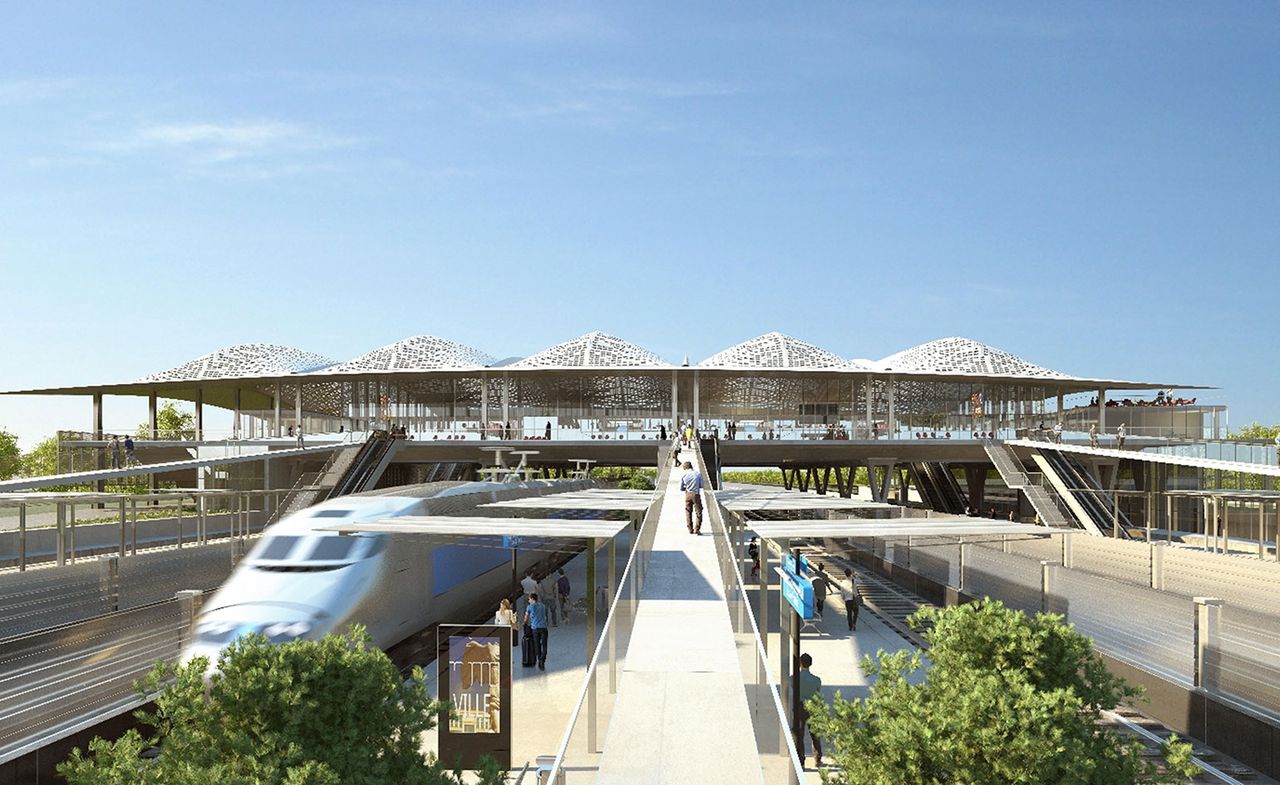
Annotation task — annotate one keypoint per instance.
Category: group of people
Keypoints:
(1162, 399)
(129, 458)
(546, 605)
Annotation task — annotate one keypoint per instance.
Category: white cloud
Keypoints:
(210, 143)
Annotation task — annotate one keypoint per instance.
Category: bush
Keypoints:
(315, 712)
(1006, 699)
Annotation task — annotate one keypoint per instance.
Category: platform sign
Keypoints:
(789, 564)
(797, 591)
(510, 541)
(474, 666)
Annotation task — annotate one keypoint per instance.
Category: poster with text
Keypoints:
(475, 683)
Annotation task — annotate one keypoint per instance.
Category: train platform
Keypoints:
(680, 714)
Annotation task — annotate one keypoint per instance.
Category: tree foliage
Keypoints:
(1255, 432)
(301, 713)
(1005, 699)
(171, 423)
(10, 455)
(42, 460)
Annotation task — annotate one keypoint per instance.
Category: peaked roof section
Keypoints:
(593, 350)
(774, 350)
(419, 353)
(964, 356)
(241, 360)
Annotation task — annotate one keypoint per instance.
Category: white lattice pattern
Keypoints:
(593, 350)
(244, 360)
(419, 353)
(963, 355)
(774, 350)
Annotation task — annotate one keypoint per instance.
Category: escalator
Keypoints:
(939, 488)
(368, 465)
(1088, 494)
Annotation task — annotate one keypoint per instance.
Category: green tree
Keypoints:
(10, 455)
(42, 460)
(1005, 699)
(1255, 431)
(171, 423)
(305, 712)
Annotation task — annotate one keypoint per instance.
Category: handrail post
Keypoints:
(22, 537)
(109, 580)
(613, 652)
(62, 534)
(1208, 612)
(123, 517)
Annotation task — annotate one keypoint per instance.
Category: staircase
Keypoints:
(1010, 468)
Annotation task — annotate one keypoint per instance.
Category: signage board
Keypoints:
(474, 665)
(798, 593)
(789, 564)
(510, 541)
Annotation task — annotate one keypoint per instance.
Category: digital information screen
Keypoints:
(474, 667)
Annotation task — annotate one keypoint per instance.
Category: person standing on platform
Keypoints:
(129, 458)
(852, 599)
(1120, 436)
(506, 617)
(753, 550)
(1057, 432)
(536, 618)
(300, 444)
(691, 484)
(1093, 436)
(548, 430)
(819, 584)
(662, 432)
(810, 685)
(547, 589)
(562, 596)
(115, 452)
(528, 583)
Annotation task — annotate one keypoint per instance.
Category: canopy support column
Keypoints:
(275, 424)
(152, 426)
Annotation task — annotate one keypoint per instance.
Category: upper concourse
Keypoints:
(600, 386)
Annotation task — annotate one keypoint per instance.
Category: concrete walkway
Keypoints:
(681, 712)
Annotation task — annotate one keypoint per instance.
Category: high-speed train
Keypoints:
(300, 582)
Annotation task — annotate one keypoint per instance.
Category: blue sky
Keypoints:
(1093, 186)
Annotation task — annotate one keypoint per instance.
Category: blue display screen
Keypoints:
(454, 565)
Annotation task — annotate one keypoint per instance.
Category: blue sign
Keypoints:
(510, 541)
(789, 564)
(798, 592)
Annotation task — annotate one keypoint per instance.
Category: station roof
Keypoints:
(743, 500)
(629, 501)
(474, 526)
(774, 350)
(258, 365)
(935, 526)
(419, 353)
(593, 350)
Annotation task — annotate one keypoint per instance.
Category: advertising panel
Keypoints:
(474, 666)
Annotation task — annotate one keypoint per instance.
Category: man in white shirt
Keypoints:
(852, 599)
(528, 583)
(691, 484)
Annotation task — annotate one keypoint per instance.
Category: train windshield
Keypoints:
(332, 548)
(278, 547)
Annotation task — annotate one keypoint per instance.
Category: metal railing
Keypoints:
(577, 759)
(52, 528)
(775, 745)
(1203, 621)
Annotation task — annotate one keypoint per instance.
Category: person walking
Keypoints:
(506, 617)
(662, 432)
(1057, 432)
(852, 598)
(753, 550)
(115, 452)
(535, 617)
(691, 484)
(129, 458)
(1093, 436)
(299, 433)
(810, 685)
(562, 596)
(1120, 437)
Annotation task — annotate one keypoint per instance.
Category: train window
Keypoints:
(331, 548)
(331, 513)
(278, 547)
